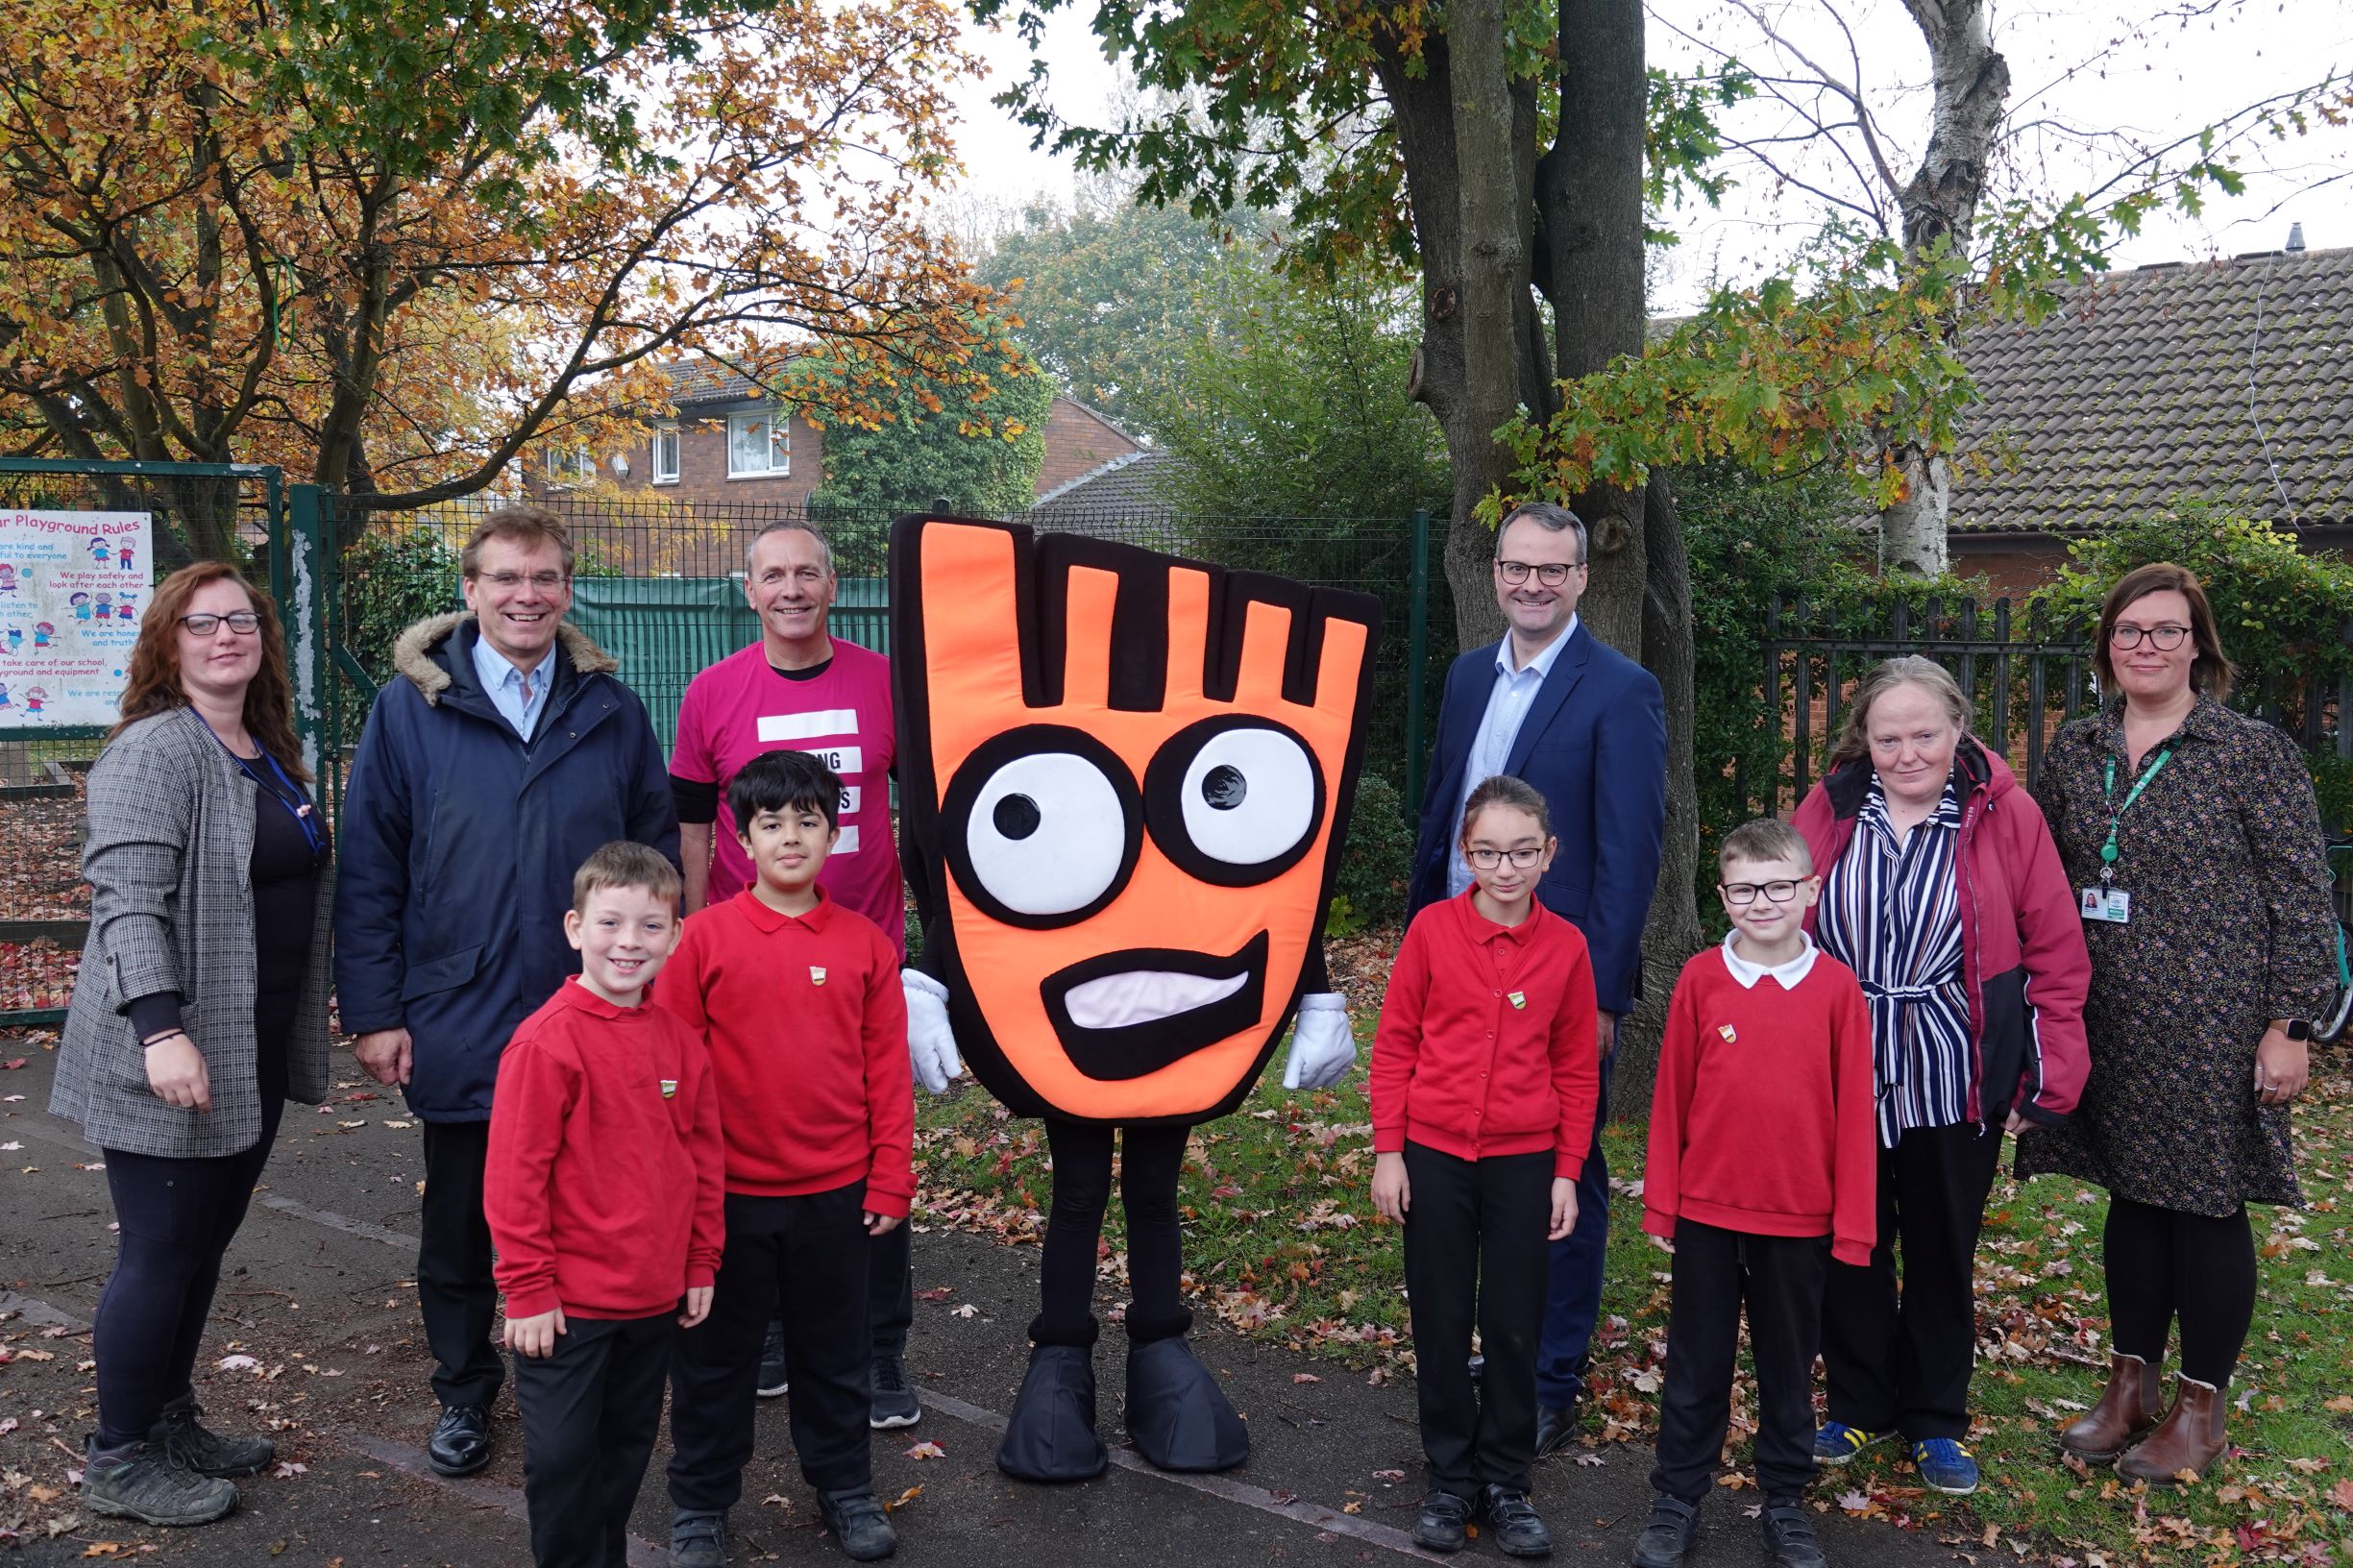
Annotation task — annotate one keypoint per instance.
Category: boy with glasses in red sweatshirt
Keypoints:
(798, 997)
(603, 1192)
(1763, 1166)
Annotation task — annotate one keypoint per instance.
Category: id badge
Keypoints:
(2112, 906)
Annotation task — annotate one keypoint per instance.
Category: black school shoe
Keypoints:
(1443, 1523)
(141, 1481)
(461, 1443)
(858, 1524)
(1512, 1523)
(1789, 1538)
(194, 1447)
(1668, 1534)
(698, 1539)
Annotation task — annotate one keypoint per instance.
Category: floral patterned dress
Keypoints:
(2231, 927)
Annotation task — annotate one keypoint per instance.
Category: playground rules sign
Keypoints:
(72, 586)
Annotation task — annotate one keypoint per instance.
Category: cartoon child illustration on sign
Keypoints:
(122, 557)
(35, 696)
(122, 607)
(106, 606)
(17, 638)
(99, 550)
(43, 631)
(8, 579)
(4, 696)
(80, 604)
(1126, 779)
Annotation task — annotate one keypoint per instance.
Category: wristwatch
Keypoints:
(2297, 1029)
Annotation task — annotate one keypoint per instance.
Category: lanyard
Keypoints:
(292, 799)
(2116, 813)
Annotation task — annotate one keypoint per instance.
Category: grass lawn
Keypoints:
(1284, 1244)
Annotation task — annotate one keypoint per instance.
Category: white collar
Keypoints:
(1789, 974)
(1548, 656)
(494, 668)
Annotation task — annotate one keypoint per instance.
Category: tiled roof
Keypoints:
(707, 381)
(1128, 487)
(2229, 381)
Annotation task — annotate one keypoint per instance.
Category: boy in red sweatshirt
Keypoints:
(798, 997)
(1763, 1166)
(603, 1192)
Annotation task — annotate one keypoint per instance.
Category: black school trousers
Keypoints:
(591, 1413)
(1475, 1253)
(1778, 1279)
(810, 1256)
(456, 1292)
(1899, 1358)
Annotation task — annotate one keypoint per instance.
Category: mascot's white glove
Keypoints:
(931, 1042)
(1323, 1047)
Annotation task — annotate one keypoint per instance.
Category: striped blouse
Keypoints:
(1891, 913)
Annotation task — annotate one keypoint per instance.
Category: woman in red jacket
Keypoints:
(1942, 891)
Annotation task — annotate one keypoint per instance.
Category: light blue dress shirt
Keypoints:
(1507, 705)
(520, 696)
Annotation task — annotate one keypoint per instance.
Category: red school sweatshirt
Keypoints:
(1761, 1120)
(807, 1029)
(602, 1183)
(1486, 1045)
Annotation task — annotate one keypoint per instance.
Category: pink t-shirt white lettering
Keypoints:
(741, 707)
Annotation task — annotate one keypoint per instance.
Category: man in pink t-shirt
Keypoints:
(797, 688)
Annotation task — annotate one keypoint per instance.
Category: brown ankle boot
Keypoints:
(2189, 1439)
(2127, 1409)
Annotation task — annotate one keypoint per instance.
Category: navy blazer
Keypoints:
(1594, 743)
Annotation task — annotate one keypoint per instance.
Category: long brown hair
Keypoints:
(1910, 670)
(2210, 673)
(153, 686)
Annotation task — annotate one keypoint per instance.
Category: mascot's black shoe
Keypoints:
(1178, 1415)
(1051, 1435)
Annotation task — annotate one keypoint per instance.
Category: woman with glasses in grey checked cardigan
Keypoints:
(200, 1010)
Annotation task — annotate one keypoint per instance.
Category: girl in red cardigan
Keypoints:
(1484, 1079)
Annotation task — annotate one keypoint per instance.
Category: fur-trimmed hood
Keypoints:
(413, 651)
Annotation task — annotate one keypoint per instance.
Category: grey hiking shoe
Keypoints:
(141, 1481)
(190, 1444)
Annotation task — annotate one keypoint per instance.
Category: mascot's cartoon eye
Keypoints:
(1043, 826)
(1234, 801)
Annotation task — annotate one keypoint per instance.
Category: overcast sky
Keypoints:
(2089, 75)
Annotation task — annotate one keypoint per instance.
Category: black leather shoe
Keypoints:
(1513, 1522)
(1556, 1424)
(1668, 1534)
(697, 1540)
(1789, 1538)
(1443, 1523)
(460, 1444)
(858, 1524)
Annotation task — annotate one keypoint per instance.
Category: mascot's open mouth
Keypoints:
(1124, 1014)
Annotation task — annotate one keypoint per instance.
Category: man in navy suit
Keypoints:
(1553, 705)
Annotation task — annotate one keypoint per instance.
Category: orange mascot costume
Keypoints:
(1124, 784)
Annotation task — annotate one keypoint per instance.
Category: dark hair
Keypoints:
(1504, 790)
(153, 685)
(625, 863)
(1768, 838)
(2211, 673)
(1550, 516)
(784, 781)
(525, 525)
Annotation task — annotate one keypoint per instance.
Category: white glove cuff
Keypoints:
(1323, 1002)
(915, 979)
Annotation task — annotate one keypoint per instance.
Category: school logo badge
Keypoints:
(1519, 999)
(670, 1088)
(1726, 1030)
(817, 974)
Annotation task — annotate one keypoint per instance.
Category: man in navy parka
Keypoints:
(503, 753)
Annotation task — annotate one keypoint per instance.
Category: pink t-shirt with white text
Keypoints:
(741, 707)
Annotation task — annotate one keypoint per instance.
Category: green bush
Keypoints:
(392, 577)
(1375, 862)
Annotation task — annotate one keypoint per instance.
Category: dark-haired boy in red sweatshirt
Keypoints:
(1763, 1166)
(603, 1194)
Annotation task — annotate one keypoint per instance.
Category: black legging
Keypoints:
(1150, 1158)
(2162, 1263)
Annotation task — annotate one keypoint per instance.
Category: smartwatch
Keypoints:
(2297, 1029)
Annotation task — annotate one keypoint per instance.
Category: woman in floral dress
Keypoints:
(2191, 834)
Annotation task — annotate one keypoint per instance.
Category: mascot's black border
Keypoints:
(1041, 569)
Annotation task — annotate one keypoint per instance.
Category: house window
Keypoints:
(759, 444)
(571, 465)
(666, 455)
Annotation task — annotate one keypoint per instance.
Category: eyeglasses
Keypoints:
(2165, 639)
(1487, 860)
(1745, 893)
(1552, 573)
(244, 623)
(547, 582)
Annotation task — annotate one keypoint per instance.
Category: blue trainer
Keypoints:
(1945, 1466)
(1838, 1442)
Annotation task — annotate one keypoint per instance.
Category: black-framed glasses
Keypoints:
(244, 623)
(1552, 573)
(1745, 893)
(1487, 860)
(547, 582)
(2165, 639)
